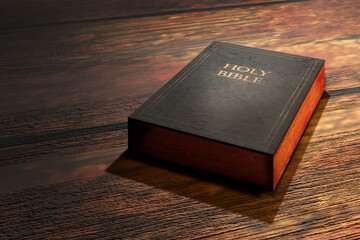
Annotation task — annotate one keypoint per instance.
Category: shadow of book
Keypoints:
(212, 189)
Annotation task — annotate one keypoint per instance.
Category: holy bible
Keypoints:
(233, 110)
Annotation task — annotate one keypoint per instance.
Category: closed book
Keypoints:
(233, 110)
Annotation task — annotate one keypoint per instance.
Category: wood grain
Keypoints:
(38, 135)
(70, 77)
(147, 200)
(25, 13)
(99, 61)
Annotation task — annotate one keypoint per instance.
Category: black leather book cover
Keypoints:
(242, 96)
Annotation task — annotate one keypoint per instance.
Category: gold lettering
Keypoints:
(263, 73)
(238, 76)
(235, 69)
(227, 65)
(252, 71)
(222, 73)
(239, 69)
(257, 80)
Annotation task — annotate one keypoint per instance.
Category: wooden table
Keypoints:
(72, 71)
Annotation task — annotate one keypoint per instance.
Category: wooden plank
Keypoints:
(102, 61)
(315, 199)
(62, 147)
(81, 117)
(25, 13)
(57, 169)
(334, 117)
(38, 135)
(71, 72)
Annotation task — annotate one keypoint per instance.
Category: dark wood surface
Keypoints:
(72, 71)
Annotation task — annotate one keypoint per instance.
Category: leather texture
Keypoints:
(212, 97)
